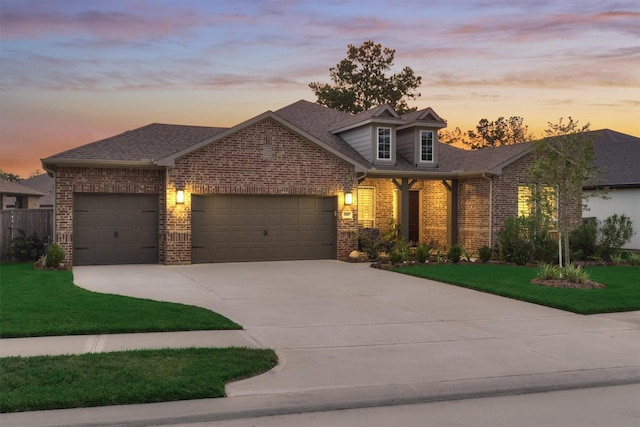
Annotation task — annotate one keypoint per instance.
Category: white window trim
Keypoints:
(433, 146)
(377, 144)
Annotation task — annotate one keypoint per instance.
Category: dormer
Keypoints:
(417, 138)
(372, 133)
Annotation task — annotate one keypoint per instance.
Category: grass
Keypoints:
(54, 382)
(622, 292)
(43, 303)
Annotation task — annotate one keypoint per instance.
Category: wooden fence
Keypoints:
(39, 221)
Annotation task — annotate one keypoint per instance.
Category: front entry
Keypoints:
(414, 216)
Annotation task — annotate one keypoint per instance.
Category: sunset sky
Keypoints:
(73, 72)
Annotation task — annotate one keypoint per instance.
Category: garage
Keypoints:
(115, 229)
(228, 228)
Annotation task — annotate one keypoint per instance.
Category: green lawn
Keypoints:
(40, 303)
(621, 294)
(53, 382)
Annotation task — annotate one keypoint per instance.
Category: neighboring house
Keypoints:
(297, 183)
(619, 155)
(41, 183)
(18, 196)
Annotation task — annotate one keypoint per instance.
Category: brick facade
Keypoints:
(262, 159)
(70, 181)
(238, 164)
(478, 223)
(474, 213)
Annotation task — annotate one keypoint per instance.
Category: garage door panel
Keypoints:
(232, 228)
(115, 229)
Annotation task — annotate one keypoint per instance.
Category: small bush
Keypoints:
(582, 240)
(369, 242)
(575, 274)
(54, 255)
(634, 258)
(422, 254)
(485, 253)
(613, 233)
(454, 254)
(549, 271)
(26, 248)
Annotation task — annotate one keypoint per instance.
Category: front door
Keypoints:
(414, 216)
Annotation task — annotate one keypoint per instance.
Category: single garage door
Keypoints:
(262, 228)
(115, 229)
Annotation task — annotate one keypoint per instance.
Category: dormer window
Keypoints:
(384, 144)
(426, 146)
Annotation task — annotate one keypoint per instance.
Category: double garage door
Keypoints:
(123, 228)
(262, 228)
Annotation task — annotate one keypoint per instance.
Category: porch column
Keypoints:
(452, 211)
(404, 186)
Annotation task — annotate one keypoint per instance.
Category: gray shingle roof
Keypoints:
(619, 154)
(149, 142)
(44, 184)
(17, 189)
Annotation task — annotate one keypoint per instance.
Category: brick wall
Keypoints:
(264, 158)
(98, 180)
(473, 214)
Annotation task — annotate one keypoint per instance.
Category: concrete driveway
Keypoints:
(348, 328)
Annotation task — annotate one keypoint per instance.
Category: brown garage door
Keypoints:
(115, 229)
(262, 228)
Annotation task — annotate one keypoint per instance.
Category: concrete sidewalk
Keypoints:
(352, 336)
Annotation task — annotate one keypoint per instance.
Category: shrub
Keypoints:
(26, 248)
(422, 254)
(54, 255)
(613, 233)
(575, 274)
(485, 253)
(399, 252)
(454, 254)
(634, 258)
(549, 271)
(582, 240)
(525, 239)
(369, 242)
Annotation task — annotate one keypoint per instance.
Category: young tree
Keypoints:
(564, 160)
(360, 81)
(499, 132)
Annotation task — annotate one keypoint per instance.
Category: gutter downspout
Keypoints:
(484, 175)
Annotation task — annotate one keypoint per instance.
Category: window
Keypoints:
(426, 146)
(384, 143)
(366, 207)
(529, 202)
(525, 200)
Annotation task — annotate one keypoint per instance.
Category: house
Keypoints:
(18, 196)
(42, 183)
(618, 155)
(296, 183)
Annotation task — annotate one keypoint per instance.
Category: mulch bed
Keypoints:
(561, 283)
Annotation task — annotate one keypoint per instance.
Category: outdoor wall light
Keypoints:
(348, 198)
(180, 197)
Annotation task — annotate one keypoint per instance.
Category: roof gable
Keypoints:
(336, 149)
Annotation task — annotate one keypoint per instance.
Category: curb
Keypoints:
(245, 407)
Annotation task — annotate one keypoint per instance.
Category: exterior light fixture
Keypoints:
(348, 198)
(179, 197)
